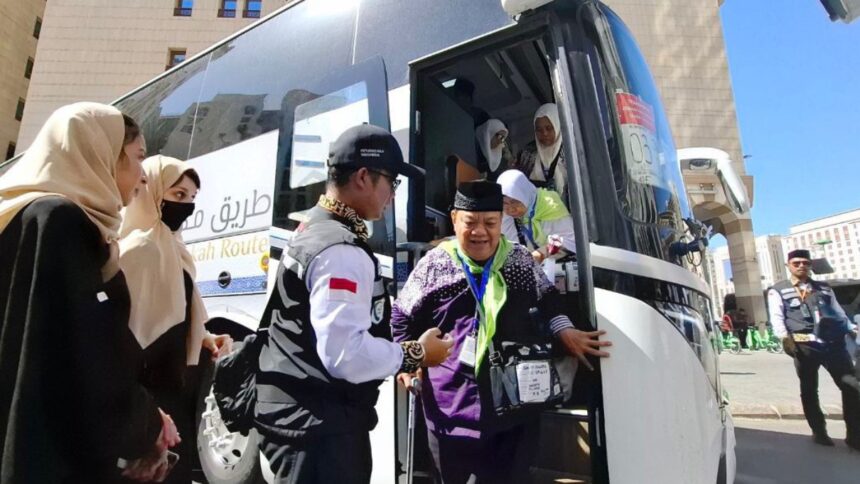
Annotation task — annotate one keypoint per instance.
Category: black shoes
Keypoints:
(822, 439)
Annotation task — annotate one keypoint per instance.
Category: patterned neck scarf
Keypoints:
(355, 223)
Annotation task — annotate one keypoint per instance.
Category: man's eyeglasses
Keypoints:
(392, 179)
(798, 263)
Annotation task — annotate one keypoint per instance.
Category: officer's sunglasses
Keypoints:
(395, 182)
(798, 263)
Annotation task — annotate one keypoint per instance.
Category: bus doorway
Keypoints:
(505, 77)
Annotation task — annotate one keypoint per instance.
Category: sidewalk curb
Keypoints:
(781, 412)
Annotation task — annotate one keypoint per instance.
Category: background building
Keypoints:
(100, 49)
(20, 29)
(836, 237)
(771, 261)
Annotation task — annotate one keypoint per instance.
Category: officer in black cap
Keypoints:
(812, 325)
(327, 351)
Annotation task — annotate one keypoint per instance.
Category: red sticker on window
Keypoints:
(338, 284)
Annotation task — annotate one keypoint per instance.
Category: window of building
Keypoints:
(228, 8)
(19, 112)
(28, 70)
(253, 8)
(38, 28)
(175, 57)
(183, 8)
(10, 151)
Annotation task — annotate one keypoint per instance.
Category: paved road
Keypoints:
(781, 452)
(758, 380)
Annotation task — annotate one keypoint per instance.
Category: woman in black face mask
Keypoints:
(167, 313)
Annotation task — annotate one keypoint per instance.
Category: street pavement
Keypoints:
(764, 385)
(782, 452)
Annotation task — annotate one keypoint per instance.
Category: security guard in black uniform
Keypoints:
(813, 326)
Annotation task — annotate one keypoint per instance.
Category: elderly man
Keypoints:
(812, 325)
(480, 288)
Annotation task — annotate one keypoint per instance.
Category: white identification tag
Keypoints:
(101, 296)
(795, 303)
(467, 351)
(533, 378)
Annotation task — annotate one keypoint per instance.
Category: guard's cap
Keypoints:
(370, 146)
(799, 254)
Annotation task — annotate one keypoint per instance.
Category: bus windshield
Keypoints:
(649, 186)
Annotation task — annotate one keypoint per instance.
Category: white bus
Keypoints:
(255, 113)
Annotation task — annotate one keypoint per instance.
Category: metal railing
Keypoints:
(182, 12)
(251, 13)
(226, 13)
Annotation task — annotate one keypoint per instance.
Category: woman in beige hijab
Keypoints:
(167, 313)
(71, 409)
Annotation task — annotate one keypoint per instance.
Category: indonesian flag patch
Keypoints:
(342, 289)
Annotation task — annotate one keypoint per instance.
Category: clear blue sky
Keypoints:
(796, 81)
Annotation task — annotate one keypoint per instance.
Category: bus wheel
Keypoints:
(225, 457)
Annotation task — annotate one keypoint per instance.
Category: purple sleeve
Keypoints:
(408, 321)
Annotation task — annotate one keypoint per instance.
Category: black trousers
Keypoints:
(342, 459)
(837, 362)
(501, 458)
(742, 335)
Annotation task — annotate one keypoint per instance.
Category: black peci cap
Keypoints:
(370, 146)
(479, 196)
(799, 253)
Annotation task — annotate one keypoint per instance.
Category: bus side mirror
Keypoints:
(844, 10)
(710, 163)
(733, 185)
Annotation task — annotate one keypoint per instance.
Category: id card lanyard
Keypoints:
(527, 227)
(803, 294)
(468, 351)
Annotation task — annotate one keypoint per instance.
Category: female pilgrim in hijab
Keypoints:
(71, 407)
(167, 313)
(532, 215)
(490, 137)
(543, 159)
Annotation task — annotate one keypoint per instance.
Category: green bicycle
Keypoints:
(732, 343)
(770, 343)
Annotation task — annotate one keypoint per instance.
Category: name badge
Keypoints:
(533, 378)
(468, 351)
(794, 303)
(101, 296)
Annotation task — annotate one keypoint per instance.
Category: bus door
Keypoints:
(505, 75)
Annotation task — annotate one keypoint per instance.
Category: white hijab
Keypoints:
(548, 153)
(484, 134)
(516, 185)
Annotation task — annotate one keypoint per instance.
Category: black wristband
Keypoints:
(413, 356)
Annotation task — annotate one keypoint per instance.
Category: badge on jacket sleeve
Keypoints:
(342, 289)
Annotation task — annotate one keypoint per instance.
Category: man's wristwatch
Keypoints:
(413, 356)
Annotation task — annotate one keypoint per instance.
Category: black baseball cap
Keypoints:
(370, 146)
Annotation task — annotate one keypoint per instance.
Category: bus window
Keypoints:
(250, 77)
(312, 117)
(167, 109)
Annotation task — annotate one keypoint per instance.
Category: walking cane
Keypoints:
(410, 437)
